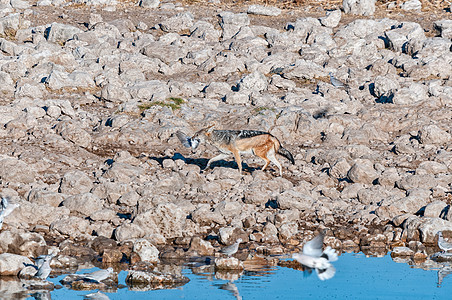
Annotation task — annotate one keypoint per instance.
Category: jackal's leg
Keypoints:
(272, 157)
(262, 153)
(238, 160)
(267, 162)
(264, 157)
(216, 158)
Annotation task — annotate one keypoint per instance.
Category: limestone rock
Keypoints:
(72, 132)
(228, 263)
(60, 33)
(201, 246)
(331, 19)
(435, 209)
(155, 279)
(29, 244)
(401, 251)
(432, 134)
(257, 9)
(362, 171)
(430, 227)
(71, 226)
(146, 251)
(85, 203)
(11, 264)
(150, 3)
(359, 7)
(178, 23)
(411, 5)
(75, 182)
(14, 170)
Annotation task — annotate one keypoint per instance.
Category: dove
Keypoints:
(314, 257)
(40, 259)
(98, 275)
(186, 140)
(44, 268)
(336, 82)
(231, 249)
(5, 209)
(442, 243)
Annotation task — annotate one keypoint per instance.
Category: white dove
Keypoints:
(98, 275)
(5, 209)
(314, 258)
(187, 141)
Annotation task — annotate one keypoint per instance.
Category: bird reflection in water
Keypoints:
(231, 287)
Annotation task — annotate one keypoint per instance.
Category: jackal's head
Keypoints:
(200, 136)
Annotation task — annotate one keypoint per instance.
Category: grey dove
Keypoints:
(231, 249)
(442, 243)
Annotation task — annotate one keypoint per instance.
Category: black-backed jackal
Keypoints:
(237, 142)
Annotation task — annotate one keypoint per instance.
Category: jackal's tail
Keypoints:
(284, 152)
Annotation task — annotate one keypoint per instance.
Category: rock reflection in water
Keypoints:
(41, 295)
(440, 261)
(146, 277)
(262, 279)
(14, 288)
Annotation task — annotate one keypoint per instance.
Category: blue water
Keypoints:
(357, 277)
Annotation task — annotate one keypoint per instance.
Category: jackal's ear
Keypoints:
(211, 127)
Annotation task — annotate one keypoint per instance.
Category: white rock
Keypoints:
(19, 4)
(6, 83)
(150, 3)
(332, 18)
(44, 3)
(362, 171)
(411, 5)
(237, 98)
(178, 23)
(71, 226)
(435, 209)
(445, 27)
(60, 33)
(75, 182)
(228, 263)
(429, 227)
(431, 167)
(432, 134)
(359, 7)
(415, 93)
(257, 9)
(14, 170)
(385, 87)
(255, 81)
(11, 264)
(85, 203)
(36, 112)
(401, 251)
(146, 250)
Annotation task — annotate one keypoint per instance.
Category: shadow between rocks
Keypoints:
(202, 162)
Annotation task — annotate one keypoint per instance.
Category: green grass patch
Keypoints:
(173, 103)
(261, 109)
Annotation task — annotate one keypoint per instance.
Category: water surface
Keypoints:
(357, 277)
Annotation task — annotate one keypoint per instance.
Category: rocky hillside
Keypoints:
(93, 92)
